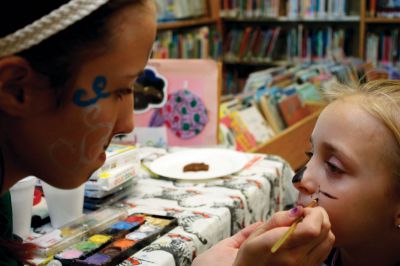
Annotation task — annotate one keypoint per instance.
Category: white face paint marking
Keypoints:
(70, 155)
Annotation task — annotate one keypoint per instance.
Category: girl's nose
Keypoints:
(305, 182)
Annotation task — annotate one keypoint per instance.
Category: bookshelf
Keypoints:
(353, 23)
(187, 23)
(379, 36)
(334, 30)
(177, 37)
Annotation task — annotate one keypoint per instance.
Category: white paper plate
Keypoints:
(222, 162)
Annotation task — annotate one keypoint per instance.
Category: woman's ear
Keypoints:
(14, 84)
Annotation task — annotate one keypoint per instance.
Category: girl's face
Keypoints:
(350, 174)
(64, 146)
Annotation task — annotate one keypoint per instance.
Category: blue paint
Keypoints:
(98, 86)
(123, 225)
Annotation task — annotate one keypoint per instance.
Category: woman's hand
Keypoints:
(309, 244)
(225, 251)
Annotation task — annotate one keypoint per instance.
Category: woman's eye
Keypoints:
(122, 92)
(309, 154)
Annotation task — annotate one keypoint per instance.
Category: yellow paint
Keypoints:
(99, 239)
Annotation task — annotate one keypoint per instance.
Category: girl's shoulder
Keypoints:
(332, 259)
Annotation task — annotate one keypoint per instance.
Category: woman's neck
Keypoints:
(10, 174)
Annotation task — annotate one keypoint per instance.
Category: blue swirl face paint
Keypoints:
(98, 86)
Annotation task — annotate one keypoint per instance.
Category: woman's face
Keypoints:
(65, 146)
(350, 174)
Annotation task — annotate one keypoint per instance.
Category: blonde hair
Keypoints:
(381, 98)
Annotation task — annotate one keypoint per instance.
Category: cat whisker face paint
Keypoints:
(326, 194)
(299, 175)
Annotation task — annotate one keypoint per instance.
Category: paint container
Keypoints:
(137, 218)
(156, 221)
(22, 203)
(100, 239)
(120, 241)
(112, 254)
(65, 205)
(123, 244)
(83, 249)
(61, 239)
(97, 259)
(122, 225)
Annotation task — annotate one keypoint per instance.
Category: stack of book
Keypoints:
(114, 180)
(274, 99)
(203, 42)
(384, 8)
(383, 47)
(251, 44)
(305, 9)
(318, 44)
(180, 9)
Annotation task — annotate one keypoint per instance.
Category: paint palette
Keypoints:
(118, 242)
(59, 239)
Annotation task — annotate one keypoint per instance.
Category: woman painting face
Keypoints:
(65, 145)
(349, 173)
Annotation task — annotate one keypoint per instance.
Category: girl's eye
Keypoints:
(120, 93)
(334, 169)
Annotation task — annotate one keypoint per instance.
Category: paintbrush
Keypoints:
(291, 229)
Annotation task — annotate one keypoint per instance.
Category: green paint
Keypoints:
(86, 246)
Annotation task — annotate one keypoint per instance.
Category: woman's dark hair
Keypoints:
(58, 56)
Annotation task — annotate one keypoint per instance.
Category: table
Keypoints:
(208, 212)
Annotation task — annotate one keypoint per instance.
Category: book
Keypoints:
(117, 155)
(271, 113)
(308, 92)
(256, 124)
(292, 109)
(112, 178)
(244, 140)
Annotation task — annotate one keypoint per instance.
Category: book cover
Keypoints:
(118, 155)
(110, 179)
(256, 124)
(271, 113)
(292, 109)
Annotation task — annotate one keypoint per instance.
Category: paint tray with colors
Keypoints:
(125, 241)
(59, 239)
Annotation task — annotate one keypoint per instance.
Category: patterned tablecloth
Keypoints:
(208, 211)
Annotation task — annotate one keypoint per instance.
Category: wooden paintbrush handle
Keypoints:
(291, 229)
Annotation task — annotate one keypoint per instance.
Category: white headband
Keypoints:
(48, 25)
